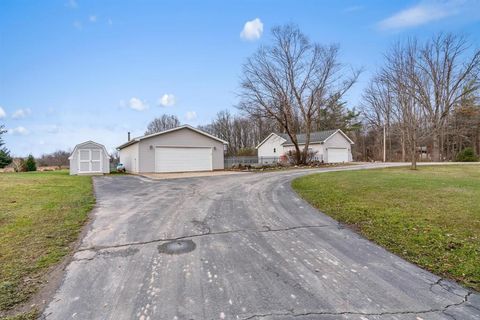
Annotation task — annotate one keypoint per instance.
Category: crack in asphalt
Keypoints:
(139, 243)
(443, 286)
(385, 313)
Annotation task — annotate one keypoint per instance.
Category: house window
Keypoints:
(274, 150)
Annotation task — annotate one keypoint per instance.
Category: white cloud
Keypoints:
(72, 4)
(167, 100)
(21, 113)
(18, 131)
(3, 114)
(78, 25)
(137, 104)
(428, 11)
(252, 30)
(92, 18)
(191, 115)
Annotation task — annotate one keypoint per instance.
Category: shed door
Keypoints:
(90, 160)
(337, 155)
(180, 159)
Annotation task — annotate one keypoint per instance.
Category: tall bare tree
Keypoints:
(418, 91)
(162, 123)
(291, 80)
(445, 73)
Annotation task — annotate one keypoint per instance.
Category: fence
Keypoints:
(249, 160)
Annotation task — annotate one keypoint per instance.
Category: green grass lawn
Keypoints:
(41, 214)
(430, 216)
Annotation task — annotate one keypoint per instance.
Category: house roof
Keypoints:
(88, 142)
(315, 137)
(268, 137)
(186, 126)
(319, 136)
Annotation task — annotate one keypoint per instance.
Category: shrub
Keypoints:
(292, 156)
(467, 155)
(18, 165)
(30, 164)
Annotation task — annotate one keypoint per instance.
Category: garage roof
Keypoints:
(315, 137)
(185, 126)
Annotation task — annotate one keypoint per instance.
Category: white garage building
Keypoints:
(331, 146)
(89, 158)
(176, 150)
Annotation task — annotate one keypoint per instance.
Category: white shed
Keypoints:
(89, 158)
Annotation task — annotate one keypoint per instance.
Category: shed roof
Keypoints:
(88, 142)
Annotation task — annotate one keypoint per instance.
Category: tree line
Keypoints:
(425, 99)
(422, 103)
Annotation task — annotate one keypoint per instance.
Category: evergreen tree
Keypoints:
(5, 158)
(30, 164)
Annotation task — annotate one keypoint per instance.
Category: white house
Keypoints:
(89, 158)
(176, 150)
(331, 146)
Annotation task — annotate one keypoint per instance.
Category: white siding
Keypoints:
(143, 152)
(184, 137)
(272, 147)
(129, 158)
(338, 141)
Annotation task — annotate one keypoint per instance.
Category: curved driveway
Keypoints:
(260, 253)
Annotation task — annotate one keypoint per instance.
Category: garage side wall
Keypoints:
(272, 147)
(129, 157)
(339, 141)
(184, 137)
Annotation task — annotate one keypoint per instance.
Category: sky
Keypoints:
(78, 70)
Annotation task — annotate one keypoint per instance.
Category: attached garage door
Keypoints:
(180, 159)
(337, 155)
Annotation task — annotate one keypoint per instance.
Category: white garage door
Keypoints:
(180, 159)
(337, 155)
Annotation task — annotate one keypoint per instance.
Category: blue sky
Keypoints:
(76, 70)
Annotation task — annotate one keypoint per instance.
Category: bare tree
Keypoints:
(58, 158)
(162, 123)
(444, 74)
(290, 81)
(242, 133)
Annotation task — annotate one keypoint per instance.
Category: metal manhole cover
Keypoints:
(177, 247)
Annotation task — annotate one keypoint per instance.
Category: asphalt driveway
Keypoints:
(238, 247)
